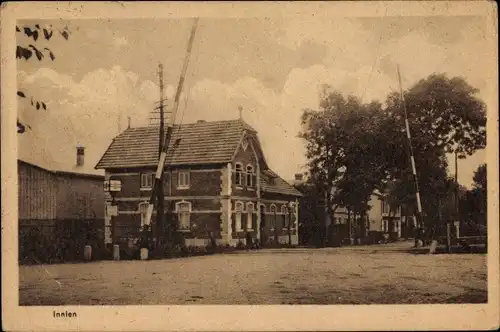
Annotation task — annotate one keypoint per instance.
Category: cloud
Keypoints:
(120, 41)
(88, 111)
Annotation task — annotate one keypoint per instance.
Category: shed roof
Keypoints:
(273, 183)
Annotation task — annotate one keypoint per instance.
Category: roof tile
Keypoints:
(200, 143)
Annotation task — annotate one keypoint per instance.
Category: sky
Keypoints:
(273, 68)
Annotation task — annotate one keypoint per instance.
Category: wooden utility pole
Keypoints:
(163, 154)
(457, 215)
(160, 228)
(289, 208)
(456, 185)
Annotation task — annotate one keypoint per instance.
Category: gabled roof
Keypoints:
(197, 143)
(273, 183)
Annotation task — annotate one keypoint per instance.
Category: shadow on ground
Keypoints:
(454, 250)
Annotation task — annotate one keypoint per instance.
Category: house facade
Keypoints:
(216, 181)
(380, 220)
(396, 222)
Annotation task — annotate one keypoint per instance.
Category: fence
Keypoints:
(51, 241)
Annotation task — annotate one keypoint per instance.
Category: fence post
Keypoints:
(116, 252)
(87, 253)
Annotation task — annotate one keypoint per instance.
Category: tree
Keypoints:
(343, 149)
(27, 51)
(325, 136)
(473, 205)
(365, 166)
(354, 148)
(310, 212)
(445, 116)
(480, 179)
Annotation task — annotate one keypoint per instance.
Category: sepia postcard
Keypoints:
(249, 166)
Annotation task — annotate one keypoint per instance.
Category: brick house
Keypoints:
(216, 179)
(397, 222)
(378, 222)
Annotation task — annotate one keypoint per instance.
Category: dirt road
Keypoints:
(350, 275)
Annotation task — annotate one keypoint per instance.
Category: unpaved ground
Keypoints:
(356, 275)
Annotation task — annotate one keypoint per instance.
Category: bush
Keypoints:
(60, 241)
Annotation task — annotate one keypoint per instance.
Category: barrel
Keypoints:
(116, 252)
(87, 253)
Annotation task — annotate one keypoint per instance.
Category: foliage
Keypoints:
(26, 52)
(480, 178)
(61, 242)
(344, 140)
(473, 205)
(365, 166)
(326, 136)
(354, 148)
(444, 116)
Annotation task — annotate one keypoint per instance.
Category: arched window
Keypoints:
(283, 209)
(143, 210)
(273, 209)
(238, 176)
(238, 210)
(250, 206)
(183, 210)
(250, 176)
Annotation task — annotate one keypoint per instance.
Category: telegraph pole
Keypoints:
(456, 184)
(161, 201)
(163, 154)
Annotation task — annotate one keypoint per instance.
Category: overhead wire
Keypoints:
(374, 63)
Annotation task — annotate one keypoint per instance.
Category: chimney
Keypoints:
(80, 153)
(299, 176)
(240, 109)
